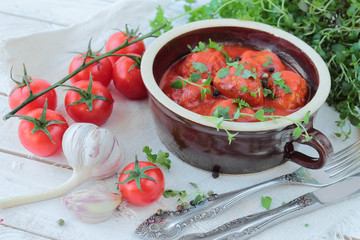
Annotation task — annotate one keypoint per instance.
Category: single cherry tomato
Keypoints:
(34, 126)
(89, 102)
(141, 183)
(119, 38)
(127, 78)
(100, 71)
(21, 91)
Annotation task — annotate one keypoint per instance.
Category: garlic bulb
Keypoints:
(92, 149)
(93, 152)
(92, 206)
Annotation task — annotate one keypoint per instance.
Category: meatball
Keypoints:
(289, 89)
(240, 82)
(233, 107)
(188, 96)
(213, 60)
(264, 61)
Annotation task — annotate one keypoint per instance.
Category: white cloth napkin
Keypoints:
(47, 55)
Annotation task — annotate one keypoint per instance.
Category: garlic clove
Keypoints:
(92, 206)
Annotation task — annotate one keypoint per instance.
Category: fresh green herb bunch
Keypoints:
(331, 27)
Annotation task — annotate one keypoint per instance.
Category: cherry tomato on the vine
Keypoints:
(20, 93)
(101, 71)
(151, 183)
(90, 102)
(119, 38)
(127, 78)
(41, 132)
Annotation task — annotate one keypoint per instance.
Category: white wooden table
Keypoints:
(28, 172)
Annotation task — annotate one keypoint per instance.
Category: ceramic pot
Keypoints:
(258, 146)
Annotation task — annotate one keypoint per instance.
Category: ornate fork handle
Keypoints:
(173, 222)
(246, 227)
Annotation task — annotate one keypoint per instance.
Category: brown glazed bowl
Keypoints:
(258, 146)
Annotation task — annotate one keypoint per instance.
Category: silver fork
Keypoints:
(169, 224)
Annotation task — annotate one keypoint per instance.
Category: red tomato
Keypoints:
(129, 83)
(39, 143)
(151, 191)
(100, 72)
(101, 109)
(119, 38)
(19, 95)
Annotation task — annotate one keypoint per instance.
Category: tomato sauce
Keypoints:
(251, 80)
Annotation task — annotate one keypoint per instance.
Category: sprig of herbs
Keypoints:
(221, 114)
(276, 76)
(161, 157)
(194, 77)
(182, 195)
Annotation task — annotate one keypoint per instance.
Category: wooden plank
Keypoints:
(15, 26)
(60, 12)
(12, 233)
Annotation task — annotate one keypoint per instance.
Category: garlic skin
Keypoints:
(93, 149)
(92, 206)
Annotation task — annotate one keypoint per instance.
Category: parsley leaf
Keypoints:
(200, 66)
(266, 202)
(161, 157)
(280, 82)
(177, 84)
(268, 62)
(223, 72)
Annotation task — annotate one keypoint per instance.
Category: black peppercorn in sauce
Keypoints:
(258, 79)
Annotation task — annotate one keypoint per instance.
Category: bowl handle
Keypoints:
(319, 142)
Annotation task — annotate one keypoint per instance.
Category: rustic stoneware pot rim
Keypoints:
(313, 105)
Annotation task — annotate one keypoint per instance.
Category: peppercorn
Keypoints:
(61, 222)
(179, 208)
(237, 58)
(215, 174)
(216, 93)
(185, 205)
(159, 212)
(271, 69)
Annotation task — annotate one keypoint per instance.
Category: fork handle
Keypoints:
(209, 207)
(247, 227)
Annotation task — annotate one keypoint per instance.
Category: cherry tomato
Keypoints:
(126, 81)
(100, 71)
(101, 109)
(150, 191)
(39, 143)
(19, 94)
(119, 38)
